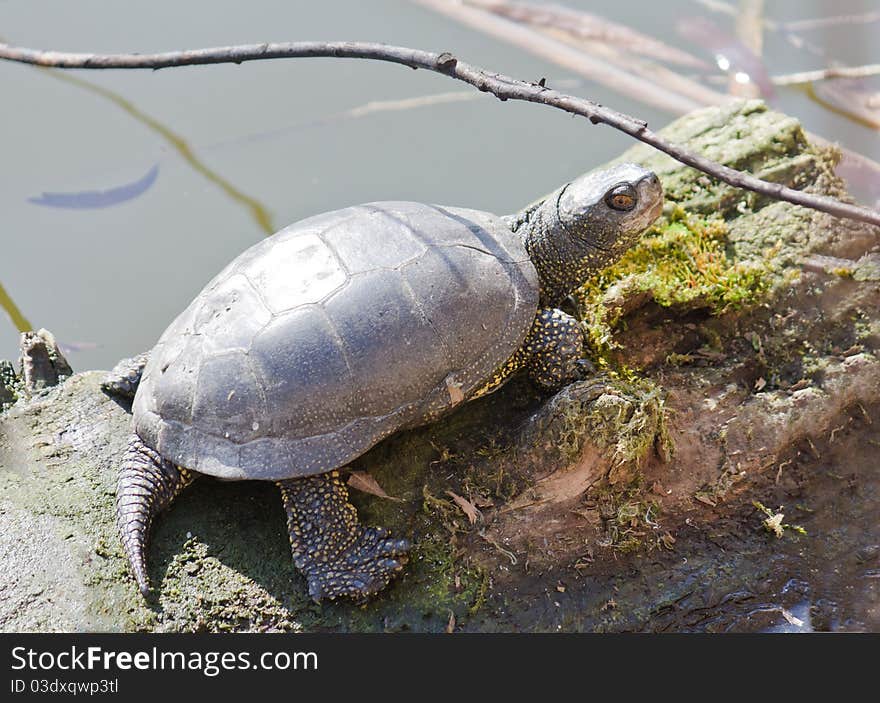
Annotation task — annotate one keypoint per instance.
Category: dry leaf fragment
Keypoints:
(450, 626)
(483, 502)
(466, 506)
(455, 393)
(362, 481)
(800, 385)
(792, 619)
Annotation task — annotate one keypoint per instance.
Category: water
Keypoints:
(246, 149)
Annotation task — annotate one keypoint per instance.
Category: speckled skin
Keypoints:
(337, 555)
(124, 378)
(312, 346)
(146, 485)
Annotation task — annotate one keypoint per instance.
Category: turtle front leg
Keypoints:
(123, 380)
(146, 485)
(554, 350)
(337, 555)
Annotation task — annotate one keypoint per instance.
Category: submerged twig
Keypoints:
(836, 20)
(673, 83)
(750, 31)
(589, 27)
(503, 87)
(549, 48)
(822, 74)
(784, 30)
(21, 323)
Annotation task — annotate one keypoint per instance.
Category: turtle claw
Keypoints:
(363, 570)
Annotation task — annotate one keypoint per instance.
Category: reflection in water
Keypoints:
(365, 110)
(257, 210)
(731, 54)
(847, 98)
(374, 107)
(18, 319)
(94, 199)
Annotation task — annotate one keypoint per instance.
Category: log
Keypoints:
(736, 354)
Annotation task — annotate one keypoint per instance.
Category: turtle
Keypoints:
(344, 328)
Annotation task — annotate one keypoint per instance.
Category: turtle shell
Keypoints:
(339, 330)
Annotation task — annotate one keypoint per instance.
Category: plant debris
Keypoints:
(773, 522)
(466, 506)
(362, 481)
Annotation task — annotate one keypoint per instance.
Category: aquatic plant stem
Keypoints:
(501, 86)
(823, 74)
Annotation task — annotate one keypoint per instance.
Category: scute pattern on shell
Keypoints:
(339, 330)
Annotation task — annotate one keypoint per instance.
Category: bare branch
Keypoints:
(503, 87)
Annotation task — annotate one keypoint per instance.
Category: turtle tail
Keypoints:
(146, 485)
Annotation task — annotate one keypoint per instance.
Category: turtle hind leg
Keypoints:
(123, 380)
(337, 555)
(146, 485)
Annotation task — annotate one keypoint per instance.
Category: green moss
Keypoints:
(773, 522)
(9, 385)
(630, 425)
(628, 418)
(489, 478)
(438, 580)
(629, 518)
(682, 262)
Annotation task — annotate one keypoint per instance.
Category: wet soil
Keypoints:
(725, 571)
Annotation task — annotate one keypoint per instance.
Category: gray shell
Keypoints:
(339, 330)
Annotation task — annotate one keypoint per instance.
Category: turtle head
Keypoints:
(608, 210)
(588, 224)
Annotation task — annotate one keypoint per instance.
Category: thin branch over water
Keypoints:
(503, 87)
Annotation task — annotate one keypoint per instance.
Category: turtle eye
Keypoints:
(621, 197)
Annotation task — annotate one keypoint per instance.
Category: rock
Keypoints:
(42, 363)
(723, 374)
